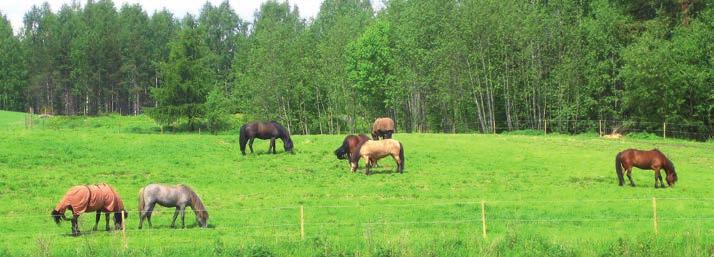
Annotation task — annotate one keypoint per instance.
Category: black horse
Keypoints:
(264, 130)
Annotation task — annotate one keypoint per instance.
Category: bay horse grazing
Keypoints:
(89, 198)
(264, 130)
(349, 145)
(647, 160)
(178, 196)
(373, 150)
(382, 127)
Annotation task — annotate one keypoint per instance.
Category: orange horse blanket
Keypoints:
(88, 198)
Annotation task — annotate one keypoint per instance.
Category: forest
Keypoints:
(450, 66)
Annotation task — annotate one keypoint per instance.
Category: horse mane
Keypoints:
(196, 203)
(354, 156)
(283, 131)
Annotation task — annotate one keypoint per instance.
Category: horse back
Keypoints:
(383, 124)
(643, 159)
(380, 148)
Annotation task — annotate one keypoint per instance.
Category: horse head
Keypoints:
(672, 174)
(57, 216)
(202, 218)
(118, 219)
(288, 144)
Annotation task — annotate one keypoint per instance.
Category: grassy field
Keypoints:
(545, 195)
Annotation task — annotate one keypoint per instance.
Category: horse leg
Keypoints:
(398, 161)
(367, 165)
(183, 214)
(173, 222)
(250, 144)
(99, 215)
(75, 227)
(629, 176)
(272, 145)
(106, 218)
(658, 175)
(148, 215)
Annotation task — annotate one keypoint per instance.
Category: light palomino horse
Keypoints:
(373, 150)
(89, 198)
(179, 196)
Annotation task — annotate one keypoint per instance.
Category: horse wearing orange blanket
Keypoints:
(89, 198)
(373, 150)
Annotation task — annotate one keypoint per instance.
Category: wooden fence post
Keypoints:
(123, 230)
(545, 129)
(654, 215)
(600, 125)
(302, 222)
(664, 130)
(483, 218)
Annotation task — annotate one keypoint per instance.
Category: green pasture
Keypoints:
(552, 195)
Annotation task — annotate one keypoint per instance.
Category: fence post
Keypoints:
(600, 125)
(483, 218)
(654, 215)
(123, 230)
(664, 130)
(545, 129)
(302, 222)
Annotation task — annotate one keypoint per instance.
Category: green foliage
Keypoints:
(370, 63)
(187, 79)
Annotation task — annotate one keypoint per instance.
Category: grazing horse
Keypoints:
(373, 150)
(349, 145)
(178, 196)
(89, 198)
(382, 127)
(265, 130)
(647, 160)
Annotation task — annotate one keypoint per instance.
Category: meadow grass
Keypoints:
(545, 195)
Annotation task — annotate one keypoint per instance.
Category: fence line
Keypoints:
(297, 207)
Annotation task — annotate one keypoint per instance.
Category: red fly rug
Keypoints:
(89, 198)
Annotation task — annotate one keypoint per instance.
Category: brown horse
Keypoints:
(382, 127)
(264, 130)
(349, 145)
(89, 198)
(373, 150)
(647, 160)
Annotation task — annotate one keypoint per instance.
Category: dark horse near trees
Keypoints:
(89, 198)
(264, 130)
(382, 127)
(647, 160)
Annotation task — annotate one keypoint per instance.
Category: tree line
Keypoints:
(432, 65)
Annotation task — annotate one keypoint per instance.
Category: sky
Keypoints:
(16, 9)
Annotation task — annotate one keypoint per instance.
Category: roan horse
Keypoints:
(264, 130)
(89, 198)
(382, 127)
(373, 150)
(647, 160)
(178, 196)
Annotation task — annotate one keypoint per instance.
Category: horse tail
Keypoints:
(618, 168)
(243, 138)
(341, 152)
(142, 202)
(401, 156)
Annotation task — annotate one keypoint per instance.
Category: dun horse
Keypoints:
(382, 127)
(89, 198)
(647, 160)
(264, 130)
(178, 196)
(373, 150)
